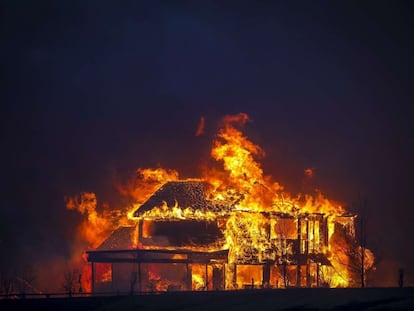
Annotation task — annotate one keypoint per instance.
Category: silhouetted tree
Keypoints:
(401, 278)
(16, 282)
(70, 280)
(6, 284)
(284, 249)
(364, 257)
(354, 254)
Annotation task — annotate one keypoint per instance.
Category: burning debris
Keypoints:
(233, 228)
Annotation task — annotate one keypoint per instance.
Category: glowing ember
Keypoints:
(200, 128)
(273, 239)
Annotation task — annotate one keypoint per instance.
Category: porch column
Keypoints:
(93, 277)
(206, 276)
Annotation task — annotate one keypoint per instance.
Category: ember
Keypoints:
(232, 228)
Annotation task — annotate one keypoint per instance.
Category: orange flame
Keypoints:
(251, 195)
(96, 227)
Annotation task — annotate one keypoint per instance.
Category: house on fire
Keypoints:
(184, 240)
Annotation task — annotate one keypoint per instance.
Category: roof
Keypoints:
(121, 238)
(181, 193)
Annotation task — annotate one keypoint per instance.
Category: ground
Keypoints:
(396, 299)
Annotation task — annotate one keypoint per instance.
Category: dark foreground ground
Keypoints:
(252, 300)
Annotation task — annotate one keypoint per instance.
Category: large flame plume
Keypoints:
(239, 183)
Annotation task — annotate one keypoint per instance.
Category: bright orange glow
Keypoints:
(198, 273)
(260, 221)
(249, 276)
(101, 221)
(97, 225)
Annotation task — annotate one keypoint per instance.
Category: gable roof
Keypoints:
(121, 238)
(181, 193)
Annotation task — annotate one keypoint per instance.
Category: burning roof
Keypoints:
(178, 193)
(119, 239)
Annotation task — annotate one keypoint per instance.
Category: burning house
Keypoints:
(190, 248)
(231, 229)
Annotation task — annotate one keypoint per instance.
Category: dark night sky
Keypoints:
(92, 90)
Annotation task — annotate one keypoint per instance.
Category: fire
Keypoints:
(176, 212)
(100, 221)
(145, 182)
(198, 277)
(259, 220)
(97, 225)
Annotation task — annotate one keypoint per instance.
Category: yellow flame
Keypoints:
(262, 220)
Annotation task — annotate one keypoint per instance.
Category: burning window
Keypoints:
(284, 228)
(104, 272)
(201, 277)
(303, 236)
(249, 276)
(103, 276)
(164, 277)
(283, 276)
(314, 238)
